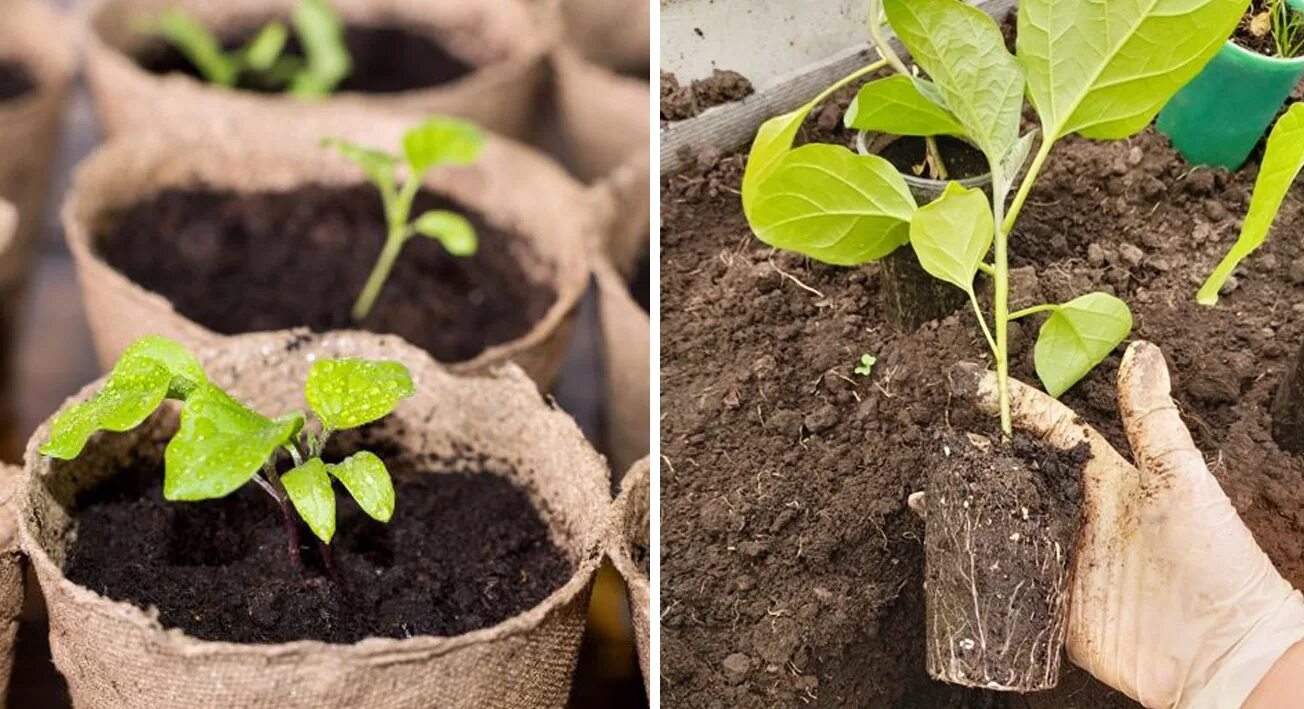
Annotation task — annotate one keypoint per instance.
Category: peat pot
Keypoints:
(626, 349)
(630, 553)
(604, 114)
(489, 426)
(485, 58)
(198, 240)
(1223, 112)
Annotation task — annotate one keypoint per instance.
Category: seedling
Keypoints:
(1287, 27)
(222, 444)
(866, 366)
(1088, 67)
(438, 141)
(325, 63)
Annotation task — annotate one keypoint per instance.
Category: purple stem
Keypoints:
(277, 491)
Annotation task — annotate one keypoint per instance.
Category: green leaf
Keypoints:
(963, 51)
(367, 480)
(952, 234)
(321, 33)
(379, 166)
(1077, 336)
(828, 203)
(442, 141)
(866, 366)
(198, 45)
(151, 369)
(309, 488)
(1013, 163)
(347, 393)
(450, 229)
(773, 140)
(262, 52)
(1283, 158)
(1104, 69)
(895, 105)
(221, 445)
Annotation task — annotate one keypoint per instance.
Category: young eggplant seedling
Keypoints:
(222, 444)
(326, 61)
(437, 141)
(832, 205)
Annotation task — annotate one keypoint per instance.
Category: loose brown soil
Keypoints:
(680, 102)
(1246, 37)
(270, 260)
(465, 549)
(15, 80)
(962, 160)
(385, 60)
(792, 570)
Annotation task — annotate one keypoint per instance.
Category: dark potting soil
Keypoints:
(385, 60)
(962, 160)
(464, 550)
(271, 260)
(1249, 32)
(791, 568)
(15, 80)
(1016, 508)
(722, 86)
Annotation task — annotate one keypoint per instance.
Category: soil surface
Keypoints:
(15, 80)
(465, 549)
(1251, 34)
(271, 260)
(680, 102)
(792, 570)
(908, 155)
(385, 60)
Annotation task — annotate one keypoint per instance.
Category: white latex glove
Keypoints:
(1172, 601)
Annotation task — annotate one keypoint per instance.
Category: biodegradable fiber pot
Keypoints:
(505, 41)
(622, 202)
(626, 350)
(11, 272)
(613, 33)
(514, 188)
(630, 553)
(36, 36)
(997, 551)
(11, 571)
(117, 655)
(1220, 116)
(604, 115)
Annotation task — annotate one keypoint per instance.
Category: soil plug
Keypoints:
(833, 205)
(438, 141)
(221, 444)
(262, 61)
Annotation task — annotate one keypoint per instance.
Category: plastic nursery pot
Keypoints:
(604, 116)
(996, 571)
(503, 42)
(910, 296)
(115, 654)
(625, 357)
(630, 552)
(612, 33)
(1220, 116)
(514, 190)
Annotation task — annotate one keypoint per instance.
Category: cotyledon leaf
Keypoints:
(952, 234)
(826, 202)
(1283, 158)
(1077, 336)
(220, 445)
(309, 489)
(896, 105)
(148, 371)
(367, 479)
(349, 392)
(1104, 69)
(962, 50)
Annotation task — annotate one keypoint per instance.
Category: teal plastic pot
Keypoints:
(1222, 113)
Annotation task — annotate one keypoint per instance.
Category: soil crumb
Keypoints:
(464, 550)
(680, 102)
(1255, 30)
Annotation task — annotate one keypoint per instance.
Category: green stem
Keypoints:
(379, 274)
(986, 268)
(1048, 307)
(982, 322)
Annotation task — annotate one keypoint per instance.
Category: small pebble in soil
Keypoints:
(736, 667)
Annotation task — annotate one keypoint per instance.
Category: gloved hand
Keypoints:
(1172, 601)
